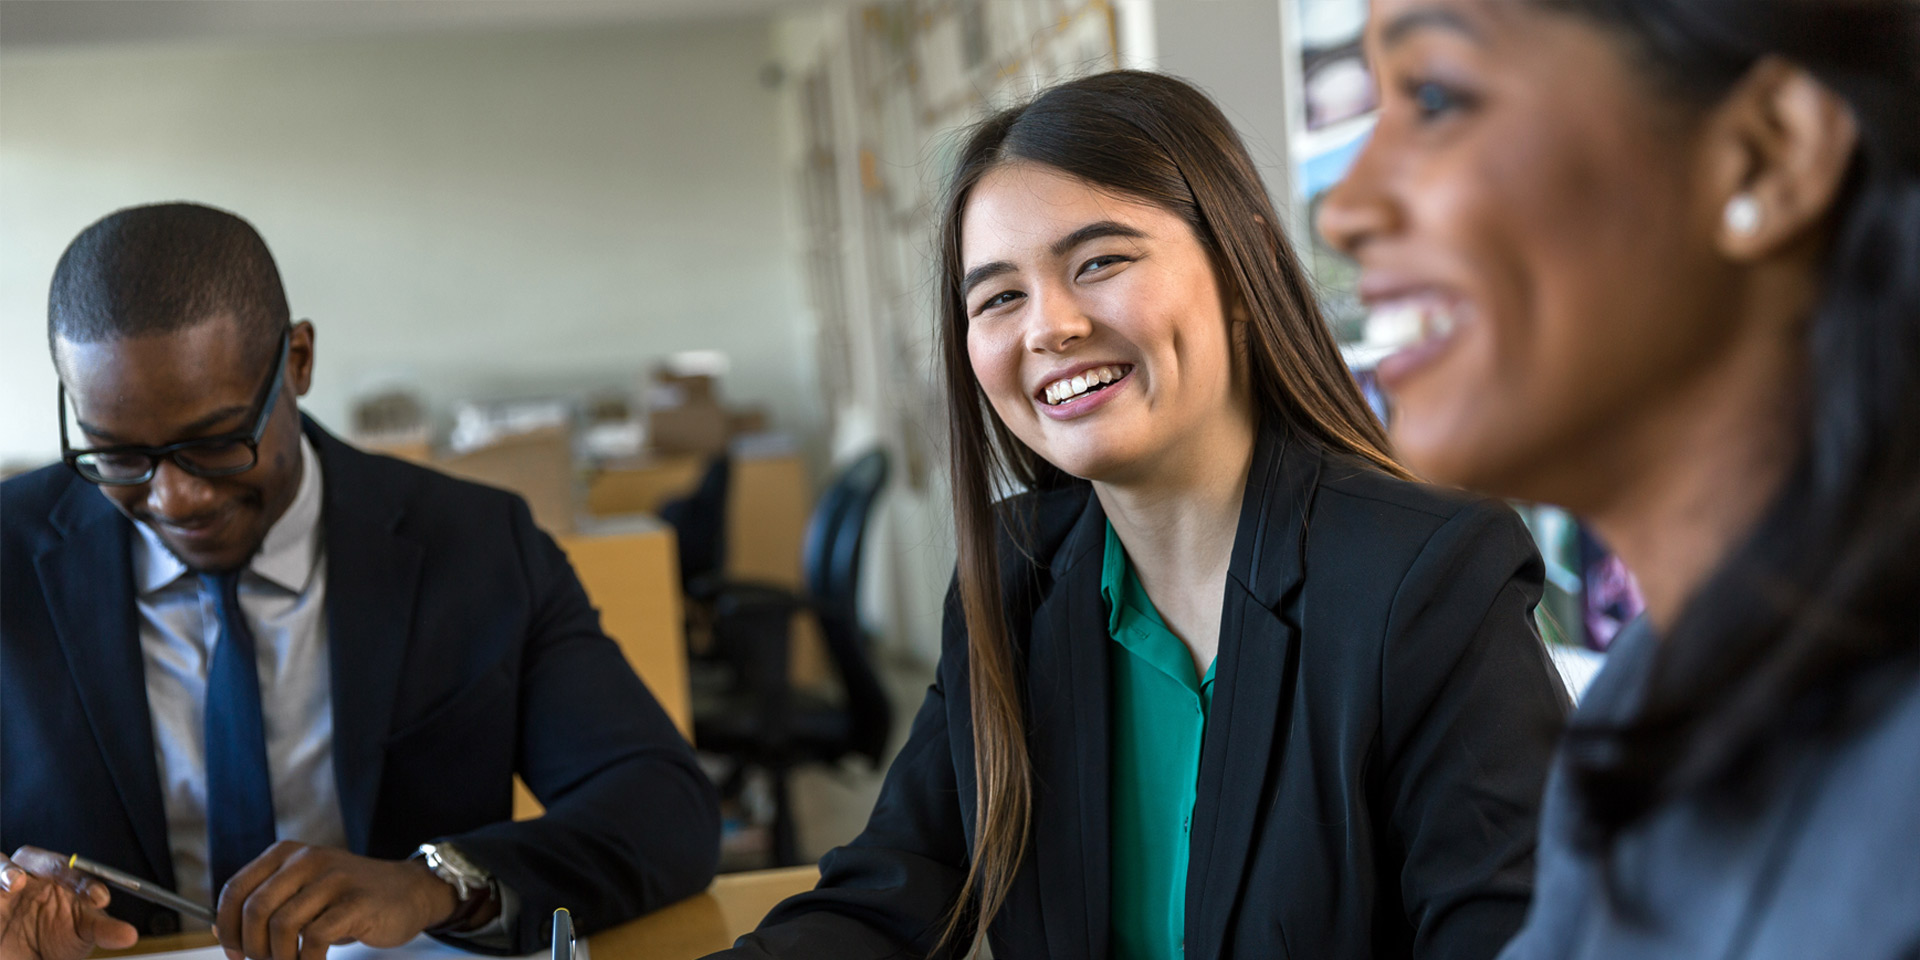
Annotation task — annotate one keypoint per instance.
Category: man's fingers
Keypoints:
(43, 863)
(256, 935)
(95, 925)
(53, 866)
(12, 876)
(229, 910)
(288, 924)
(332, 926)
(46, 915)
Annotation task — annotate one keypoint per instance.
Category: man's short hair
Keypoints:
(157, 269)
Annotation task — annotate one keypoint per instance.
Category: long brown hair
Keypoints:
(1154, 138)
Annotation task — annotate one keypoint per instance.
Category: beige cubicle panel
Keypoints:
(537, 465)
(642, 485)
(632, 576)
(768, 503)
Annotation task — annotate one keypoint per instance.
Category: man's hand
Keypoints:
(49, 912)
(294, 901)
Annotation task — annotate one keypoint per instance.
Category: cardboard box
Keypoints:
(701, 429)
(536, 465)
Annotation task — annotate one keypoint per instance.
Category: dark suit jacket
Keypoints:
(1383, 716)
(463, 650)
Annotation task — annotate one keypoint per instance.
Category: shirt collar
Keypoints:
(1133, 622)
(286, 558)
(1113, 580)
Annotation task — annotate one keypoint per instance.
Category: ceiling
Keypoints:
(54, 23)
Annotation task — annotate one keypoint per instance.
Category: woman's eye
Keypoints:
(1435, 100)
(1098, 263)
(1000, 299)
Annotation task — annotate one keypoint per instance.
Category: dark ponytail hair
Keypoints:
(1813, 624)
(1157, 139)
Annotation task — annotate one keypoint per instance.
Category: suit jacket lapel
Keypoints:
(1068, 699)
(372, 576)
(1253, 682)
(88, 578)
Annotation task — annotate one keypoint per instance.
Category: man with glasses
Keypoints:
(249, 663)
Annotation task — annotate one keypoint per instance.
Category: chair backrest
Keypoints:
(830, 560)
(699, 522)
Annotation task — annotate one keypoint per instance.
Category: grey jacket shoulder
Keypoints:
(1828, 864)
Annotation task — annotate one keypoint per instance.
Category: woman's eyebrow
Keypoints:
(982, 273)
(1094, 231)
(1413, 21)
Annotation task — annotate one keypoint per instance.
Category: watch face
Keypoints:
(447, 863)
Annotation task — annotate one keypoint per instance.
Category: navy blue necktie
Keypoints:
(239, 788)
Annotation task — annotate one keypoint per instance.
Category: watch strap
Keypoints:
(473, 887)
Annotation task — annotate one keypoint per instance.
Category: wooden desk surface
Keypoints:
(700, 925)
(692, 928)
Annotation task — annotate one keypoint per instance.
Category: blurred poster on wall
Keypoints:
(1335, 81)
(1336, 278)
(1333, 103)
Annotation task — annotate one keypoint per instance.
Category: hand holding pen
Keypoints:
(49, 911)
(145, 890)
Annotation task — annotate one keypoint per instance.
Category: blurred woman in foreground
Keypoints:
(1665, 257)
(1222, 682)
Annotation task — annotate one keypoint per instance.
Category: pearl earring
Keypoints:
(1743, 214)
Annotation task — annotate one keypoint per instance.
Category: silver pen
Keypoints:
(150, 892)
(562, 934)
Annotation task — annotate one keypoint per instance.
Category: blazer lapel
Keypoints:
(1068, 697)
(88, 578)
(1253, 682)
(372, 576)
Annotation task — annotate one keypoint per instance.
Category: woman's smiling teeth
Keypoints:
(1061, 391)
(1402, 323)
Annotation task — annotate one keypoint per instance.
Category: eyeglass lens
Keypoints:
(206, 460)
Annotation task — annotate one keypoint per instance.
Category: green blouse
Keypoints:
(1159, 716)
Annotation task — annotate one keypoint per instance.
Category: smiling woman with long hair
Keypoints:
(1221, 681)
(1667, 256)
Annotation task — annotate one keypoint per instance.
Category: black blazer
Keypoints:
(463, 650)
(1382, 721)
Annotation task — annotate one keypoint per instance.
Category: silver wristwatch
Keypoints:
(447, 863)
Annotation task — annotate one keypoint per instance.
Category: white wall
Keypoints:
(1232, 49)
(490, 214)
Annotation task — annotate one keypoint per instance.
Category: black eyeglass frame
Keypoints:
(249, 438)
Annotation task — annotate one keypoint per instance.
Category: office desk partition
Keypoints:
(631, 574)
(768, 502)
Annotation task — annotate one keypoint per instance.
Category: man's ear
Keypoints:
(300, 358)
(1778, 150)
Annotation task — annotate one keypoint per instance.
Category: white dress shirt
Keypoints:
(283, 596)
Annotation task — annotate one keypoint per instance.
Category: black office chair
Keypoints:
(699, 522)
(753, 715)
